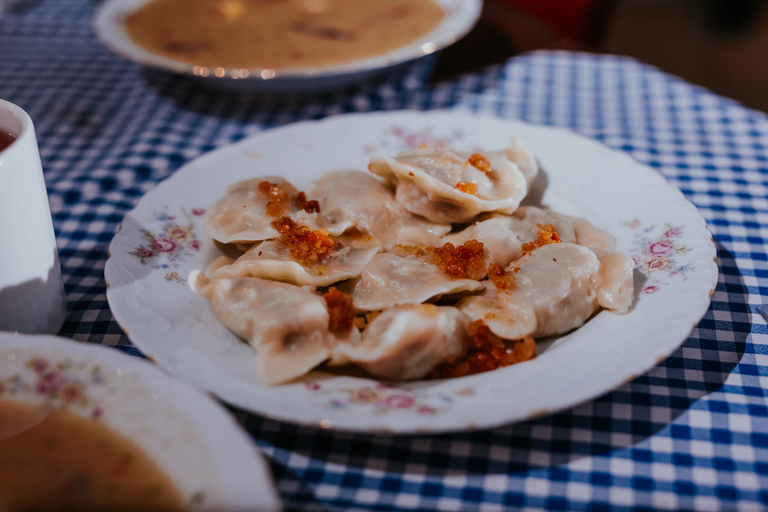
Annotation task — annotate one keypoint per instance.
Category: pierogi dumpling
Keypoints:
(286, 324)
(552, 290)
(408, 342)
(367, 202)
(445, 186)
(504, 235)
(390, 280)
(274, 260)
(247, 210)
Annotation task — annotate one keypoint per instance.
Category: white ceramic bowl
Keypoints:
(194, 441)
(110, 21)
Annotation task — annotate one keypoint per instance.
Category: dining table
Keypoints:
(689, 434)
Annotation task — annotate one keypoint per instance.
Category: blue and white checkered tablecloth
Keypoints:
(690, 434)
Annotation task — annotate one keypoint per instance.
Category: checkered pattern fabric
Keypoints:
(690, 434)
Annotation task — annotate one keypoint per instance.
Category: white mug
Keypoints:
(32, 297)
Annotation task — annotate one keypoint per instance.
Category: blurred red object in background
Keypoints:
(574, 24)
(510, 27)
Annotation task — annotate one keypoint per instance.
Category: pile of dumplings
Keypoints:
(368, 235)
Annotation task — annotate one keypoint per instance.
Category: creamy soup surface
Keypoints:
(277, 34)
(55, 460)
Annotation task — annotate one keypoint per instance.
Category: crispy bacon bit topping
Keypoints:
(279, 198)
(547, 235)
(465, 261)
(487, 352)
(479, 162)
(467, 188)
(340, 309)
(307, 247)
(308, 206)
(502, 279)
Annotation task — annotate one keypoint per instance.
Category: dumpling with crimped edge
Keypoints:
(248, 208)
(517, 152)
(615, 286)
(597, 240)
(341, 258)
(371, 205)
(408, 342)
(286, 324)
(445, 186)
(551, 290)
(503, 236)
(390, 280)
(570, 229)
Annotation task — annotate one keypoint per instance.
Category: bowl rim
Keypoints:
(110, 20)
(242, 478)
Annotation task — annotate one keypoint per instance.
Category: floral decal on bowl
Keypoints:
(658, 255)
(174, 240)
(397, 138)
(62, 384)
(382, 398)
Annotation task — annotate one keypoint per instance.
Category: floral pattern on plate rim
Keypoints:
(656, 256)
(174, 241)
(381, 398)
(63, 384)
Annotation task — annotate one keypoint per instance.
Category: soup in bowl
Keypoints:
(281, 46)
(85, 427)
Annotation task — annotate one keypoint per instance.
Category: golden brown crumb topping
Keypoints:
(356, 234)
(307, 206)
(467, 188)
(479, 162)
(502, 279)
(465, 261)
(340, 309)
(307, 247)
(487, 352)
(546, 235)
(279, 200)
(417, 251)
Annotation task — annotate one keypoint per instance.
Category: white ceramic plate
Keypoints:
(109, 24)
(160, 242)
(196, 443)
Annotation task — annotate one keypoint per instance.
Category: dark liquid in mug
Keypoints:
(6, 139)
